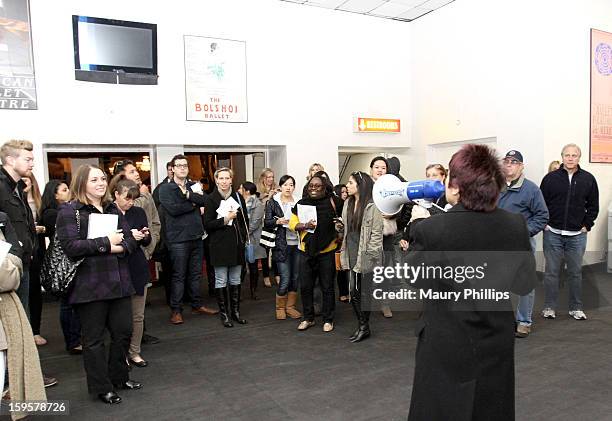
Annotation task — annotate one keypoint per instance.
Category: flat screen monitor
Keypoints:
(114, 45)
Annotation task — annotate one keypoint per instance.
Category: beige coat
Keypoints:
(370, 252)
(146, 202)
(25, 376)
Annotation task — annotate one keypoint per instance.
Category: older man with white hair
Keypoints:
(572, 198)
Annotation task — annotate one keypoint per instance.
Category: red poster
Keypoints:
(601, 97)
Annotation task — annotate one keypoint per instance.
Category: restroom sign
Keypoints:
(377, 125)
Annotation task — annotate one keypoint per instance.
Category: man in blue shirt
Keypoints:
(524, 197)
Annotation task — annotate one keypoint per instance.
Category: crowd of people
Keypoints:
(259, 226)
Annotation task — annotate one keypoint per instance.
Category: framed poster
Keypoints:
(215, 79)
(600, 144)
(17, 83)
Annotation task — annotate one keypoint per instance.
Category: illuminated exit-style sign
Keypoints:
(377, 125)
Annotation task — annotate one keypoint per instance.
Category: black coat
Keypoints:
(181, 214)
(465, 359)
(139, 266)
(227, 242)
(14, 202)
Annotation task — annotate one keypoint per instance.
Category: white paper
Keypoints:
(287, 212)
(227, 206)
(4, 250)
(101, 225)
(307, 213)
(196, 188)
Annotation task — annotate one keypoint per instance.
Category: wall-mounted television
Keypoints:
(114, 51)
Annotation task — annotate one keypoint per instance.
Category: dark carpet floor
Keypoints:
(267, 370)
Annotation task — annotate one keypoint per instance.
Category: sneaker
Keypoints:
(548, 313)
(49, 381)
(328, 327)
(305, 324)
(578, 314)
(522, 331)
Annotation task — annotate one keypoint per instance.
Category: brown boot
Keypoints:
(291, 301)
(281, 303)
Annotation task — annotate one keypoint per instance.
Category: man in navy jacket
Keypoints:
(572, 197)
(181, 200)
(523, 196)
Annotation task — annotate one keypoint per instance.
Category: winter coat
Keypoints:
(255, 212)
(102, 275)
(182, 218)
(227, 242)
(525, 197)
(274, 209)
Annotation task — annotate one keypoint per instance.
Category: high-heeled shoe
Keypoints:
(142, 363)
(110, 398)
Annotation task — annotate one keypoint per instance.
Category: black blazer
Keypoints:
(465, 359)
(139, 266)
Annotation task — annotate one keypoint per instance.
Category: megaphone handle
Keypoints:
(442, 209)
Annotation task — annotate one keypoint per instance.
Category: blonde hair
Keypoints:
(312, 167)
(78, 185)
(552, 165)
(261, 184)
(222, 169)
(13, 148)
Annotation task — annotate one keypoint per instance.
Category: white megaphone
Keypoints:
(390, 193)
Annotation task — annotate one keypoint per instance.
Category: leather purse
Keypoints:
(58, 270)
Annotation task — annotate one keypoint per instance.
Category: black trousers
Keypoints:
(343, 282)
(116, 316)
(322, 266)
(35, 296)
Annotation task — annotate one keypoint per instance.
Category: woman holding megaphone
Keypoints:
(362, 246)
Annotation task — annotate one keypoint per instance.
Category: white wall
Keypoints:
(511, 70)
(310, 70)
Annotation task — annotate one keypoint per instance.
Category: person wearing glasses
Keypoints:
(523, 196)
(181, 200)
(362, 246)
(317, 246)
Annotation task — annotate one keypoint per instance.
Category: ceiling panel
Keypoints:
(405, 10)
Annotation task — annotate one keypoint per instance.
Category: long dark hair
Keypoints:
(365, 184)
(48, 200)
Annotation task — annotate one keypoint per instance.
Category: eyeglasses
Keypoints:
(511, 161)
(181, 165)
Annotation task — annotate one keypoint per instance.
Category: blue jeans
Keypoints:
(186, 269)
(288, 272)
(223, 274)
(524, 309)
(556, 249)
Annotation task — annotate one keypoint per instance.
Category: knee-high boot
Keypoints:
(363, 318)
(223, 304)
(234, 291)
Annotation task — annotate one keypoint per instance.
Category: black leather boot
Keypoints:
(356, 304)
(364, 327)
(223, 303)
(234, 291)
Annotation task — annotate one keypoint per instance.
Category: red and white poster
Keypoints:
(601, 97)
(215, 79)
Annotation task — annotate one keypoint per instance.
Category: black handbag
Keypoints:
(58, 270)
